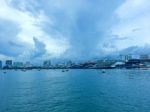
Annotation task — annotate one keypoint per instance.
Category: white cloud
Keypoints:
(57, 23)
(4, 57)
(30, 26)
(133, 22)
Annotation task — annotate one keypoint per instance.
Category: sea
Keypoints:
(75, 90)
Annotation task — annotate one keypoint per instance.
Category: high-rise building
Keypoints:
(28, 64)
(128, 57)
(69, 63)
(47, 63)
(18, 64)
(1, 64)
(8, 63)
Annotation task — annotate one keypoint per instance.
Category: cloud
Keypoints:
(133, 22)
(136, 50)
(13, 44)
(117, 37)
(39, 49)
(72, 29)
(29, 25)
(5, 57)
(67, 28)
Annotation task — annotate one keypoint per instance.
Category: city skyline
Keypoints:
(123, 61)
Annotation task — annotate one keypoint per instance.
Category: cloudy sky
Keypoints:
(43, 29)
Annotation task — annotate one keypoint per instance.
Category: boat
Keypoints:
(67, 70)
(4, 72)
(103, 71)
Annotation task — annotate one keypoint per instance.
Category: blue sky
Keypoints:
(45, 29)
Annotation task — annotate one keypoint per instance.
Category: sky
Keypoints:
(73, 29)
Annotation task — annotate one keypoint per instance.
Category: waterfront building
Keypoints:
(88, 64)
(133, 63)
(122, 57)
(128, 57)
(47, 63)
(18, 64)
(1, 64)
(144, 57)
(8, 63)
(69, 64)
(28, 64)
(105, 63)
(118, 64)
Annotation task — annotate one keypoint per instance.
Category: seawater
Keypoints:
(75, 91)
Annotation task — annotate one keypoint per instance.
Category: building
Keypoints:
(128, 57)
(1, 66)
(118, 64)
(8, 63)
(144, 57)
(133, 63)
(47, 63)
(28, 64)
(69, 64)
(18, 64)
(105, 63)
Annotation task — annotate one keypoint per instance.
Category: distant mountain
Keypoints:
(136, 50)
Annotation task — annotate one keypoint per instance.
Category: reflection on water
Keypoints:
(75, 91)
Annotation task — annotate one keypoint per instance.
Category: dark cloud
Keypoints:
(136, 29)
(13, 44)
(117, 37)
(39, 50)
(108, 45)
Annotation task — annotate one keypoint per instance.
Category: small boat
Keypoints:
(63, 70)
(103, 71)
(67, 70)
(4, 72)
